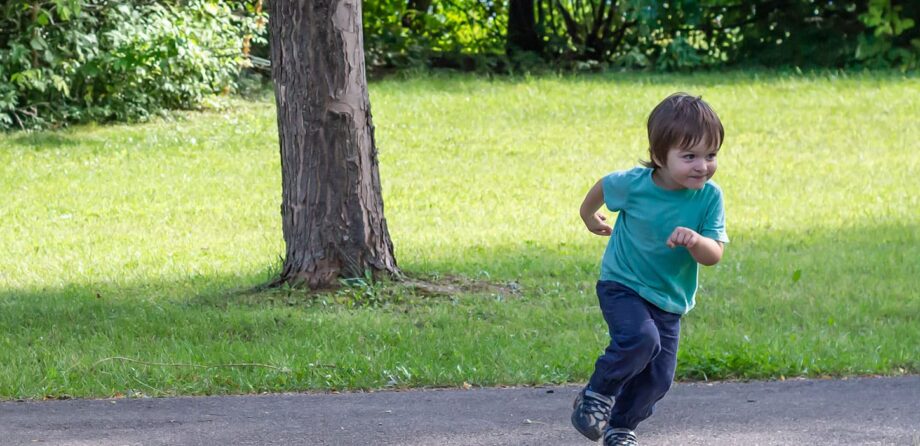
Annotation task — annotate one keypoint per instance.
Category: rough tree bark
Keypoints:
(331, 204)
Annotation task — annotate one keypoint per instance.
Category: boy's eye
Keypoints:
(711, 156)
(688, 157)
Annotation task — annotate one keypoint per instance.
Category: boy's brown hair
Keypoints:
(681, 121)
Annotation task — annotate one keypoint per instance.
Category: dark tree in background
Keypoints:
(522, 28)
(331, 203)
(415, 11)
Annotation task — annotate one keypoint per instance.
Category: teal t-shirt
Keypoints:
(637, 254)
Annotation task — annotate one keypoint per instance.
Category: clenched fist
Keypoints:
(683, 237)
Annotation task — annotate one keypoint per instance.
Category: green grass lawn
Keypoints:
(134, 241)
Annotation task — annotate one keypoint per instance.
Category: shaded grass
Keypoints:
(134, 241)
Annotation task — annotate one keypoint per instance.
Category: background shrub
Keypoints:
(79, 60)
(64, 61)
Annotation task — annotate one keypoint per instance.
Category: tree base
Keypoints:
(447, 286)
(327, 279)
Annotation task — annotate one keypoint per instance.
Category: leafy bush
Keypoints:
(666, 35)
(402, 34)
(892, 37)
(78, 60)
(67, 61)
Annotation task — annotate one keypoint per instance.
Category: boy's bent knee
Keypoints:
(644, 342)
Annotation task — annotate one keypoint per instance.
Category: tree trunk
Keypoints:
(331, 205)
(522, 29)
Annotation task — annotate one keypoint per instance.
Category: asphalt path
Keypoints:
(861, 411)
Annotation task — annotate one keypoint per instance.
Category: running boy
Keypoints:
(670, 220)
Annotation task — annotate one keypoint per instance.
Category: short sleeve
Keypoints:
(616, 187)
(714, 223)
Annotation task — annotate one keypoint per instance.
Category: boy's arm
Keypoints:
(595, 221)
(704, 250)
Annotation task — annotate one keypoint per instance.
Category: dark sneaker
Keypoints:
(591, 412)
(620, 437)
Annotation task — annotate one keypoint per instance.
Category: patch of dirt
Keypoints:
(456, 285)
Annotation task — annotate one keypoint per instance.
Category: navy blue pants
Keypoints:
(637, 368)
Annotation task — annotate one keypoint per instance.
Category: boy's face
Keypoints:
(688, 168)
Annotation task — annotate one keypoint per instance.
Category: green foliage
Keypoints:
(68, 61)
(799, 33)
(65, 61)
(670, 36)
(888, 25)
(396, 35)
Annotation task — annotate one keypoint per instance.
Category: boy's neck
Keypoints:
(661, 182)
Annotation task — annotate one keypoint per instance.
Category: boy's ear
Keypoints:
(656, 160)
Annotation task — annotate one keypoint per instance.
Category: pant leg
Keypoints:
(636, 401)
(634, 338)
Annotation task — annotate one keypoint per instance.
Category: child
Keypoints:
(670, 219)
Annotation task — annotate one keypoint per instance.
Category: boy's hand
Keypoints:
(704, 250)
(683, 237)
(597, 224)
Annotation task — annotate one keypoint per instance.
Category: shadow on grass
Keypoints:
(431, 81)
(884, 254)
(47, 140)
(85, 309)
(786, 289)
